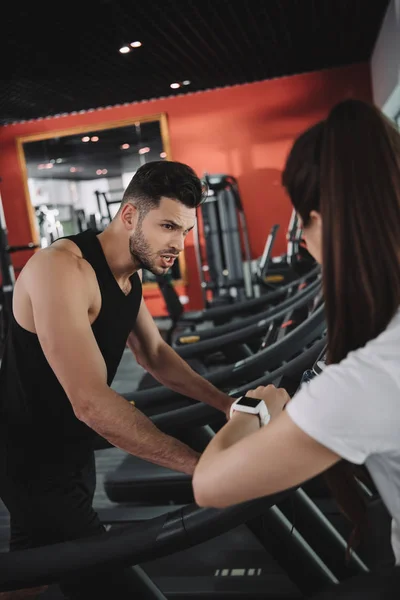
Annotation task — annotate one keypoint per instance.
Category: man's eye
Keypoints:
(168, 226)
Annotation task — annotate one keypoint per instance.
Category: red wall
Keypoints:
(245, 131)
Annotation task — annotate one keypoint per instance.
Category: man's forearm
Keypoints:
(125, 427)
(175, 373)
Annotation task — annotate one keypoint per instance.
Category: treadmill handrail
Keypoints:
(199, 413)
(216, 336)
(277, 352)
(137, 543)
(266, 255)
(208, 314)
(241, 334)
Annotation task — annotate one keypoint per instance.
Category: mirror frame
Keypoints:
(79, 129)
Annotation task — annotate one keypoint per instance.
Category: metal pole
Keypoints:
(7, 269)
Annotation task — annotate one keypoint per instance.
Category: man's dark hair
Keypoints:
(168, 179)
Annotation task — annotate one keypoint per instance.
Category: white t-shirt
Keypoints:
(353, 408)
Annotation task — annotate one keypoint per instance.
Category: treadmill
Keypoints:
(183, 551)
(307, 293)
(235, 341)
(222, 314)
(258, 365)
(158, 540)
(280, 548)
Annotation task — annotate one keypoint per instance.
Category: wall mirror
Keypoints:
(75, 178)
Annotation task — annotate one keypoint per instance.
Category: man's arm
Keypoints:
(60, 297)
(159, 359)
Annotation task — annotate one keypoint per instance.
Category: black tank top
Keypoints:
(35, 412)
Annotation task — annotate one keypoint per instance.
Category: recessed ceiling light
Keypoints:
(124, 49)
(186, 82)
(104, 171)
(144, 150)
(163, 155)
(125, 146)
(99, 172)
(136, 44)
(94, 138)
(175, 86)
(86, 139)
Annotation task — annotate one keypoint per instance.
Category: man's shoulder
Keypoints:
(62, 260)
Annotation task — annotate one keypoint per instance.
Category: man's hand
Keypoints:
(275, 398)
(228, 409)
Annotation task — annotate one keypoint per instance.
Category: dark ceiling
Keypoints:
(64, 57)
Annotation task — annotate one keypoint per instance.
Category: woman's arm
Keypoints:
(244, 461)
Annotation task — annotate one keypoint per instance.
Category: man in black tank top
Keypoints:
(76, 306)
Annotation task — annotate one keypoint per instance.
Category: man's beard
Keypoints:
(142, 254)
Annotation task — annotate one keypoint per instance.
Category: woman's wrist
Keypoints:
(246, 417)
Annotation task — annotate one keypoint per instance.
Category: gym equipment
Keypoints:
(7, 276)
(147, 536)
(80, 219)
(172, 532)
(174, 306)
(227, 344)
(50, 227)
(306, 294)
(295, 262)
(225, 266)
(292, 531)
(291, 361)
(154, 485)
(104, 201)
(186, 322)
(223, 270)
(247, 369)
(298, 553)
(264, 262)
(138, 480)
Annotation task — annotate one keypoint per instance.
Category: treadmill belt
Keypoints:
(233, 565)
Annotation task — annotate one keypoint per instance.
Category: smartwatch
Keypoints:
(253, 406)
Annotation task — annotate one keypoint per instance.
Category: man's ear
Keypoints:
(129, 216)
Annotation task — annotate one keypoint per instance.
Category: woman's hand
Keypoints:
(275, 398)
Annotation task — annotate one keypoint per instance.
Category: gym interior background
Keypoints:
(223, 87)
(239, 114)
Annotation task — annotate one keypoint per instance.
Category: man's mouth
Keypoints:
(168, 259)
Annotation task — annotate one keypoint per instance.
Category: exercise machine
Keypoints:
(258, 365)
(213, 348)
(296, 262)
(184, 324)
(224, 258)
(7, 276)
(307, 293)
(183, 551)
(294, 537)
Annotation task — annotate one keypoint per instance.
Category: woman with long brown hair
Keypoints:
(343, 178)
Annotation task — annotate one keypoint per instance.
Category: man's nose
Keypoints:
(178, 242)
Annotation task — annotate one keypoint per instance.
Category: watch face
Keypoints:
(246, 401)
